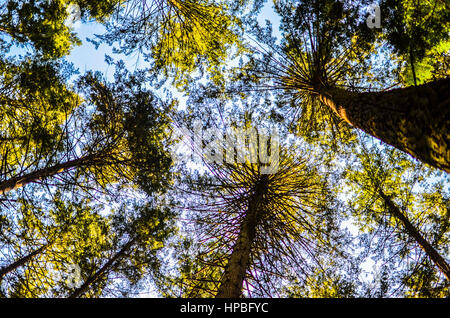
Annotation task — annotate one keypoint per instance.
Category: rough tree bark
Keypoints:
(415, 119)
(20, 181)
(238, 264)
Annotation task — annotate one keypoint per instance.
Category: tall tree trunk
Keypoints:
(431, 252)
(415, 119)
(80, 291)
(233, 278)
(20, 181)
(21, 261)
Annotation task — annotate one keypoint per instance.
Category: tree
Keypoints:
(414, 120)
(322, 62)
(21, 261)
(177, 37)
(418, 33)
(120, 141)
(135, 252)
(91, 138)
(431, 252)
(287, 199)
(393, 195)
(43, 24)
(76, 251)
(60, 236)
(256, 227)
(34, 104)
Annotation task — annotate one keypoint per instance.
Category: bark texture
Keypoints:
(415, 119)
(232, 281)
(20, 181)
(412, 231)
(240, 259)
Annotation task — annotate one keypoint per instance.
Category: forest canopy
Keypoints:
(225, 148)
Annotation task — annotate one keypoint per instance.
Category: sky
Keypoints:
(86, 57)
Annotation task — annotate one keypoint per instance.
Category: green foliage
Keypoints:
(418, 32)
(35, 102)
(322, 285)
(44, 23)
(71, 233)
(77, 241)
(128, 132)
(415, 191)
(176, 37)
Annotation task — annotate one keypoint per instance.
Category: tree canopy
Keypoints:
(307, 155)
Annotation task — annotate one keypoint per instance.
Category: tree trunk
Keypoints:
(415, 119)
(233, 278)
(80, 291)
(431, 252)
(20, 181)
(21, 261)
